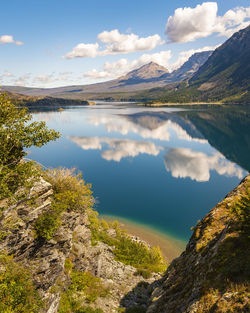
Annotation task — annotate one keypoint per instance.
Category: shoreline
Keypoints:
(181, 104)
(170, 247)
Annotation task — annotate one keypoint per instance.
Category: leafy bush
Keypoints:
(17, 292)
(70, 194)
(16, 134)
(70, 189)
(84, 287)
(47, 224)
(90, 285)
(143, 272)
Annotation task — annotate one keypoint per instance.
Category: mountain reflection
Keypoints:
(146, 125)
(183, 162)
(118, 148)
(227, 129)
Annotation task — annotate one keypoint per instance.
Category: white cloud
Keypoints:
(118, 148)
(22, 80)
(233, 21)
(183, 162)
(41, 80)
(95, 74)
(9, 39)
(124, 43)
(44, 79)
(188, 24)
(83, 50)
(7, 74)
(114, 43)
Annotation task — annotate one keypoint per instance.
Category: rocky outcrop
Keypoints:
(72, 241)
(212, 275)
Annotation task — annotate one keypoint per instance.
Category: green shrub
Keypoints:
(70, 189)
(143, 272)
(84, 287)
(90, 285)
(17, 292)
(126, 250)
(47, 224)
(70, 194)
(68, 266)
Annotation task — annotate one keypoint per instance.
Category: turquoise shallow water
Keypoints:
(152, 166)
(169, 245)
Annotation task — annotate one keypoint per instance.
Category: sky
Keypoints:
(51, 43)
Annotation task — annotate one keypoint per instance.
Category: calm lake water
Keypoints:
(161, 167)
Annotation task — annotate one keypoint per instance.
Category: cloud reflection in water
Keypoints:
(183, 162)
(118, 148)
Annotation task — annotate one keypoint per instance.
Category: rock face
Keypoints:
(212, 275)
(147, 72)
(46, 259)
(190, 66)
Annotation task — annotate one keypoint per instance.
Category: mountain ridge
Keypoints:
(147, 76)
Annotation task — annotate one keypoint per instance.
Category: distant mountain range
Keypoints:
(147, 76)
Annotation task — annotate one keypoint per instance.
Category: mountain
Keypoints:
(191, 66)
(147, 72)
(148, 76)
(212, 274)
(224, 77)
(229, 64)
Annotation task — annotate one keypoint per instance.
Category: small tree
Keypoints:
(17, 132)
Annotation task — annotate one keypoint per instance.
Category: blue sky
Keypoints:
(48, 43)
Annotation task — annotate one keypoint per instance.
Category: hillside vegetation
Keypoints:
(212, 275)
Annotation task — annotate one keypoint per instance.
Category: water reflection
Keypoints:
(183, 162)
(118, 148)
(146, 126)
(161, 167)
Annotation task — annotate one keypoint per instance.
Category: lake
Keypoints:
(164, 168)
